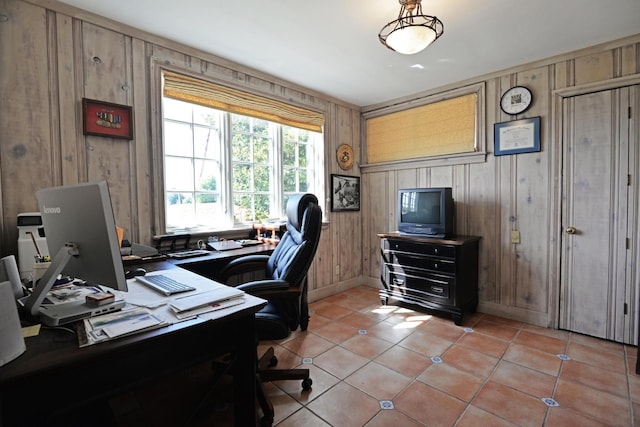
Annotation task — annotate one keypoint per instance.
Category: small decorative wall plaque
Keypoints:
(107, 119)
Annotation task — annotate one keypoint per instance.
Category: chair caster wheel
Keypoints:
(306, 384)
(273, 362)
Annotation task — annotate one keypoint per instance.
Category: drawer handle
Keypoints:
(437, 289)
(435, 250)
(435, 265)
(398, 282)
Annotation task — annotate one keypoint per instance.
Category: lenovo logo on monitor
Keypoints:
(51, 210)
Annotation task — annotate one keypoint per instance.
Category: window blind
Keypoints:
(440, 128)
(190, 89)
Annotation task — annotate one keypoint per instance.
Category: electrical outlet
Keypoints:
(337, 270)
(515, 236)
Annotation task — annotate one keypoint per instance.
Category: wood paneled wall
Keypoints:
(504, 193)
(53, 55)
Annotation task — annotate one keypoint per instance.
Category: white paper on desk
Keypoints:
(202, 299)
(70, 292)
(125, 322)
(143, 296)
(189, 314)
(224, 245)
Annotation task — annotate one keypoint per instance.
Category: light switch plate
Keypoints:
(515, 236)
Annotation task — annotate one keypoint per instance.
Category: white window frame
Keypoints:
(315, 185)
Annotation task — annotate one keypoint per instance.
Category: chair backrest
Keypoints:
(291, 259)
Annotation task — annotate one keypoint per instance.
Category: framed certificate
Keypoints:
(518, 136)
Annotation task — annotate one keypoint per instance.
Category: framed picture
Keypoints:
(107, 119)
(345, 193)
(518, 136)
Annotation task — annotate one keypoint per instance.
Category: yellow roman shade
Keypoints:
(197, 91)
(440, 128)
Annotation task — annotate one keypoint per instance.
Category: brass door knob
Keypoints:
(571, 230)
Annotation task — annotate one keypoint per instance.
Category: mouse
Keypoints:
(130, 274)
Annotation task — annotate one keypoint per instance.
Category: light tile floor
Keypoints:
(376, 365)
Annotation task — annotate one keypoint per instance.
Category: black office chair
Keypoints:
(284, 287)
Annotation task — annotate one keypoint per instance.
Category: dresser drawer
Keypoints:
(421, 248)
(445, 266)
(433, 288)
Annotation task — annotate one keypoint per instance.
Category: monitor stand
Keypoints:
(59, 262)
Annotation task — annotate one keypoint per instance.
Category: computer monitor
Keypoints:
(81, 236)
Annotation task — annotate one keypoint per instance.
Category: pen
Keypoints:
(33, 239)
(39, 257)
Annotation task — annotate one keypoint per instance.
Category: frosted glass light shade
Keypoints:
(411, 39)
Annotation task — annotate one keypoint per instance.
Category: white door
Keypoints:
(598, 290)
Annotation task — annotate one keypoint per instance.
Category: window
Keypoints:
(223, 169)
(433, 130)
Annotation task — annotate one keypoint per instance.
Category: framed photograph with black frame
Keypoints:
(517, 136)
(345, 193)
(107, 119)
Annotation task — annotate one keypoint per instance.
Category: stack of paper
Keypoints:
(193, 304)
(114, 325)
(187, 314)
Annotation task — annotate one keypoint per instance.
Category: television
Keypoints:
(426, 212)
(81, 236)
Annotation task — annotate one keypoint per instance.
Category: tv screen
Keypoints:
(426, 211)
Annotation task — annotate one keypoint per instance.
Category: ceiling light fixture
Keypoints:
(412, 31)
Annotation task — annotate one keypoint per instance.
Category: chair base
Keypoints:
(264, 375)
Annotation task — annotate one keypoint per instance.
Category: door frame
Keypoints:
(557, 118)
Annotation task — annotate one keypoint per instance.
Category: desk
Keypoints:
(209, 265)
(37, 384)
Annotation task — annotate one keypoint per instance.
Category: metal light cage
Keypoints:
(407, 33)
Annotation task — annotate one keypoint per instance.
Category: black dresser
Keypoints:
(435, 274)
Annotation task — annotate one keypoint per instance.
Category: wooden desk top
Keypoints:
(53, 364)
(263, 249)
(55, 348)
(213, 255)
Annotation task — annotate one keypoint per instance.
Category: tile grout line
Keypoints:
(520, 329)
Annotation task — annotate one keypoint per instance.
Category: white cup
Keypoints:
(39, 269)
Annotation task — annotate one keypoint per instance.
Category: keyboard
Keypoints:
(164, 284)
(188, 253)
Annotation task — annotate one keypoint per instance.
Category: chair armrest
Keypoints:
(245, 264)
(269, 288)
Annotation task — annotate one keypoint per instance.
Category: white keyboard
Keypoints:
(163, 284)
